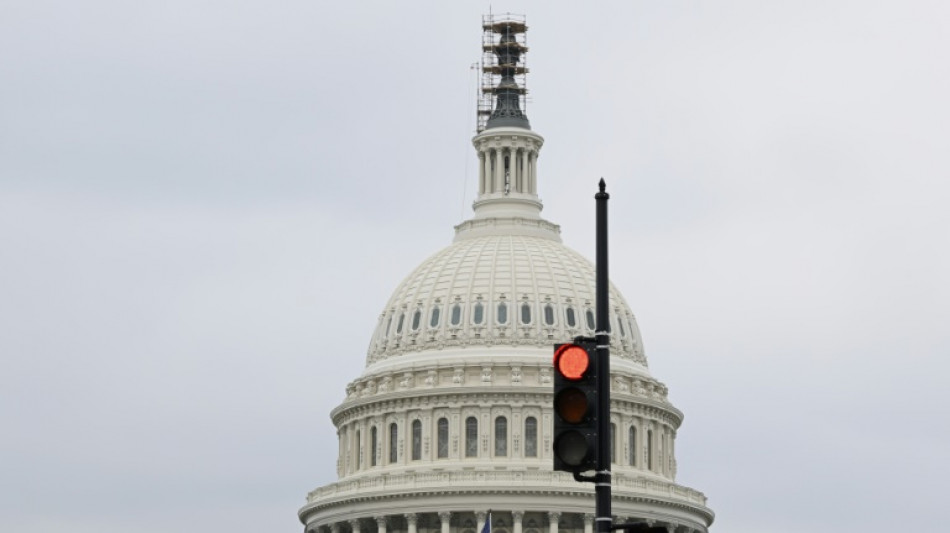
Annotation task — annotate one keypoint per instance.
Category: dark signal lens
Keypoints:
(572, 448)
(571, 405)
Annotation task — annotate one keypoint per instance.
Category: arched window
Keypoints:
(613, 443)
(416, 318)
(373, 439)
(571, 319)
(471, 437)
(478, 313)
(549, 314)
(633, 445)
(393, 442)
(502, 313)
(590, 320)
(456, 314)
(531, 437)
(443, 438)
(434, 319)
(359, 451)
(650, 449)
(623, 332)
(526, 313)
(416, 440)
(402, 318)
(389, 324)
(501, 436)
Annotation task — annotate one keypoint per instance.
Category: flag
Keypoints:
(487, 527)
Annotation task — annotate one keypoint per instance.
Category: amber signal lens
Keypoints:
(571, 405)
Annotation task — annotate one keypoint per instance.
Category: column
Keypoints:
(380, 524)
(481, 172)
(553, 518)
(518, 183)
(335, 527)
(446, 518)
(498, 182)
(588, 522)
(411, 520)
(517, 517)
(534, 172)
(480, 520)
(355, 525)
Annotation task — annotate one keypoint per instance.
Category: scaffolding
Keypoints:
(498, 56)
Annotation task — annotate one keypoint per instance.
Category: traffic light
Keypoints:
(575, 406)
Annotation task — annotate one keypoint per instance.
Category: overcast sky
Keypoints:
(205, 205)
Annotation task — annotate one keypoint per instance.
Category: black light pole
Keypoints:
(602, 338)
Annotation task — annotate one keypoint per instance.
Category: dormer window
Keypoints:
(590, 320)
(502, 313)
(416, 318)
(402, 318)
(434, 319)
(571, 319)
(456, 314)
(549, 314)
(526, 313)
(478, 313)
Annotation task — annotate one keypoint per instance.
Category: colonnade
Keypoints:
(473, 522)
(507, 170)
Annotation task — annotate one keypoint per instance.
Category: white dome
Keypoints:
(498, 290)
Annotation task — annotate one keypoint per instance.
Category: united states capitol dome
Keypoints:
(449, 428)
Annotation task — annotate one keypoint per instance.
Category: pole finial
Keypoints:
(603, 185)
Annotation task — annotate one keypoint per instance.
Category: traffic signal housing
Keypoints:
(575, 406)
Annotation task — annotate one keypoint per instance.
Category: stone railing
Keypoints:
(448, 482)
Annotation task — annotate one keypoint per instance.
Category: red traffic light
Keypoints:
(571, 361)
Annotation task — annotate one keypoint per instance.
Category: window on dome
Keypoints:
(389, 324)
(434, 319)
(501, 436)
(590, 320)
(456, 314)
(623, 332)
(613, 443)
(633, 445)
(650, 449)
(502, 313)
(416, 317)
(359, 451)
(525, 313)
(402, 318)
(416, 440)
(443, 438)
(372, 446)
(471, 437)
(393, 442)
(549, 314)
(571, 319)
(478, 314)
(531, 437)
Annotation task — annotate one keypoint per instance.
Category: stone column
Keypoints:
(588, 522)
(355, 525)
(498, 183)
(480, 520)
(380, 524)
(553, 518)
(411, 520)
(446, 518)
(517, 517)
(481, 172)
(532, 161)
(335, 527)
